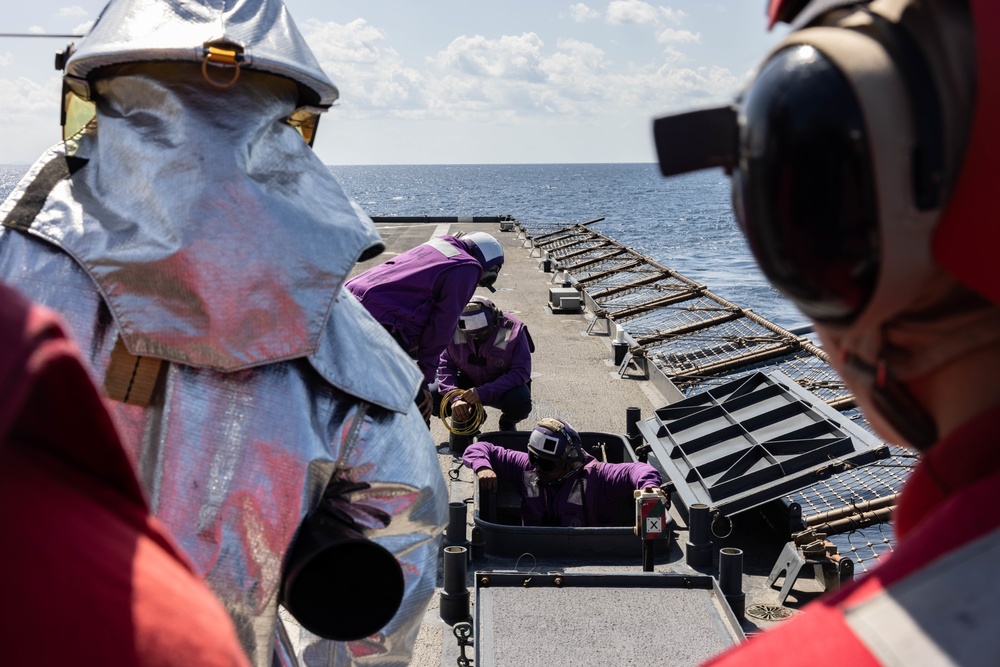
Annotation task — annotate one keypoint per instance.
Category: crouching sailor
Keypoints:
(487, 362)
(197, 248)
(419, 294)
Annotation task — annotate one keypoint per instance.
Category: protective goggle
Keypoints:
(79, 108)
(552, 445)
(543, 464)
(841, 131)
(474, 322)
(489, 277)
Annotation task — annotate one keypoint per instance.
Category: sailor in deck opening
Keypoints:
(419, 294)
(864, 161)
(560, 484)
(490, 358)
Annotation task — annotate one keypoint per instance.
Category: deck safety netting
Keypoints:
(699, 341)
(615, 269)
(651, 326)
(629, 300)
(864, 545)
(808, 370)
(578, 251)
(638, 283)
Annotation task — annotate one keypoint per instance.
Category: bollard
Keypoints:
(699, 544)
(648, 555)
(454, 534)
(619, 349)
(731, 580)
(478, 544)
(632, 434)
(455, 595)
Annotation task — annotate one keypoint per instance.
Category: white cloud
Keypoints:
(710, 83)
(673, 15)
(510, 80)
(75, 11)
(354, 42)
(581, 12)
(6, 59)
(36, 30)
(641, 13)
(672, 36)
(512, 57)
(516, 78)
(631, 11)
(83, 28)
(369, 75)
(25, 100)
(577, 75)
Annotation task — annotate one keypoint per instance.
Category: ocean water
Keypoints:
(685, 223)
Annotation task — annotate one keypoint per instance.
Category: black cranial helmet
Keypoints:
(554, 444)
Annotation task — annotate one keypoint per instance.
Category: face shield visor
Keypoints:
(554, 444)
(477, 320)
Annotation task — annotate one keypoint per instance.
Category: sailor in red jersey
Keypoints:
(861, 158)
(90, 577)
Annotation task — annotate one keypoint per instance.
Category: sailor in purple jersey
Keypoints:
(559, 483)
(490, 358)
(419, 294)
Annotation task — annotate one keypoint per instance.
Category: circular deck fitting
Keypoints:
(768, 612)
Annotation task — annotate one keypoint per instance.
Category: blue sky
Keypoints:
(454, 81)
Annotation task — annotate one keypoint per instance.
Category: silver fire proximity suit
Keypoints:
(197, 247)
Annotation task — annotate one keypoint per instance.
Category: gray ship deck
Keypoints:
(633, 301)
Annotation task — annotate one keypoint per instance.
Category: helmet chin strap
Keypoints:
(895, 403)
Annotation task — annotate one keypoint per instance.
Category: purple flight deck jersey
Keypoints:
(595, 494)
(419, 294)
(494, 365)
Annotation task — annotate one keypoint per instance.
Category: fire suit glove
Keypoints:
(425, 402)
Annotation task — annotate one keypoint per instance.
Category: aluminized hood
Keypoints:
(132, 31)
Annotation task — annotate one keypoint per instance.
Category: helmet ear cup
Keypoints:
(812, 226)
(928, 151)
(815, 226)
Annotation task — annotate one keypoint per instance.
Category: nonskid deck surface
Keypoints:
(675, 339)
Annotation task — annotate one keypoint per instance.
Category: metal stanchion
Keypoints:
(699, 544)
(731, 579)
(454, 534)
(455, 596)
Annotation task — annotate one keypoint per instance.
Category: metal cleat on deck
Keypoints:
(810, 548)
